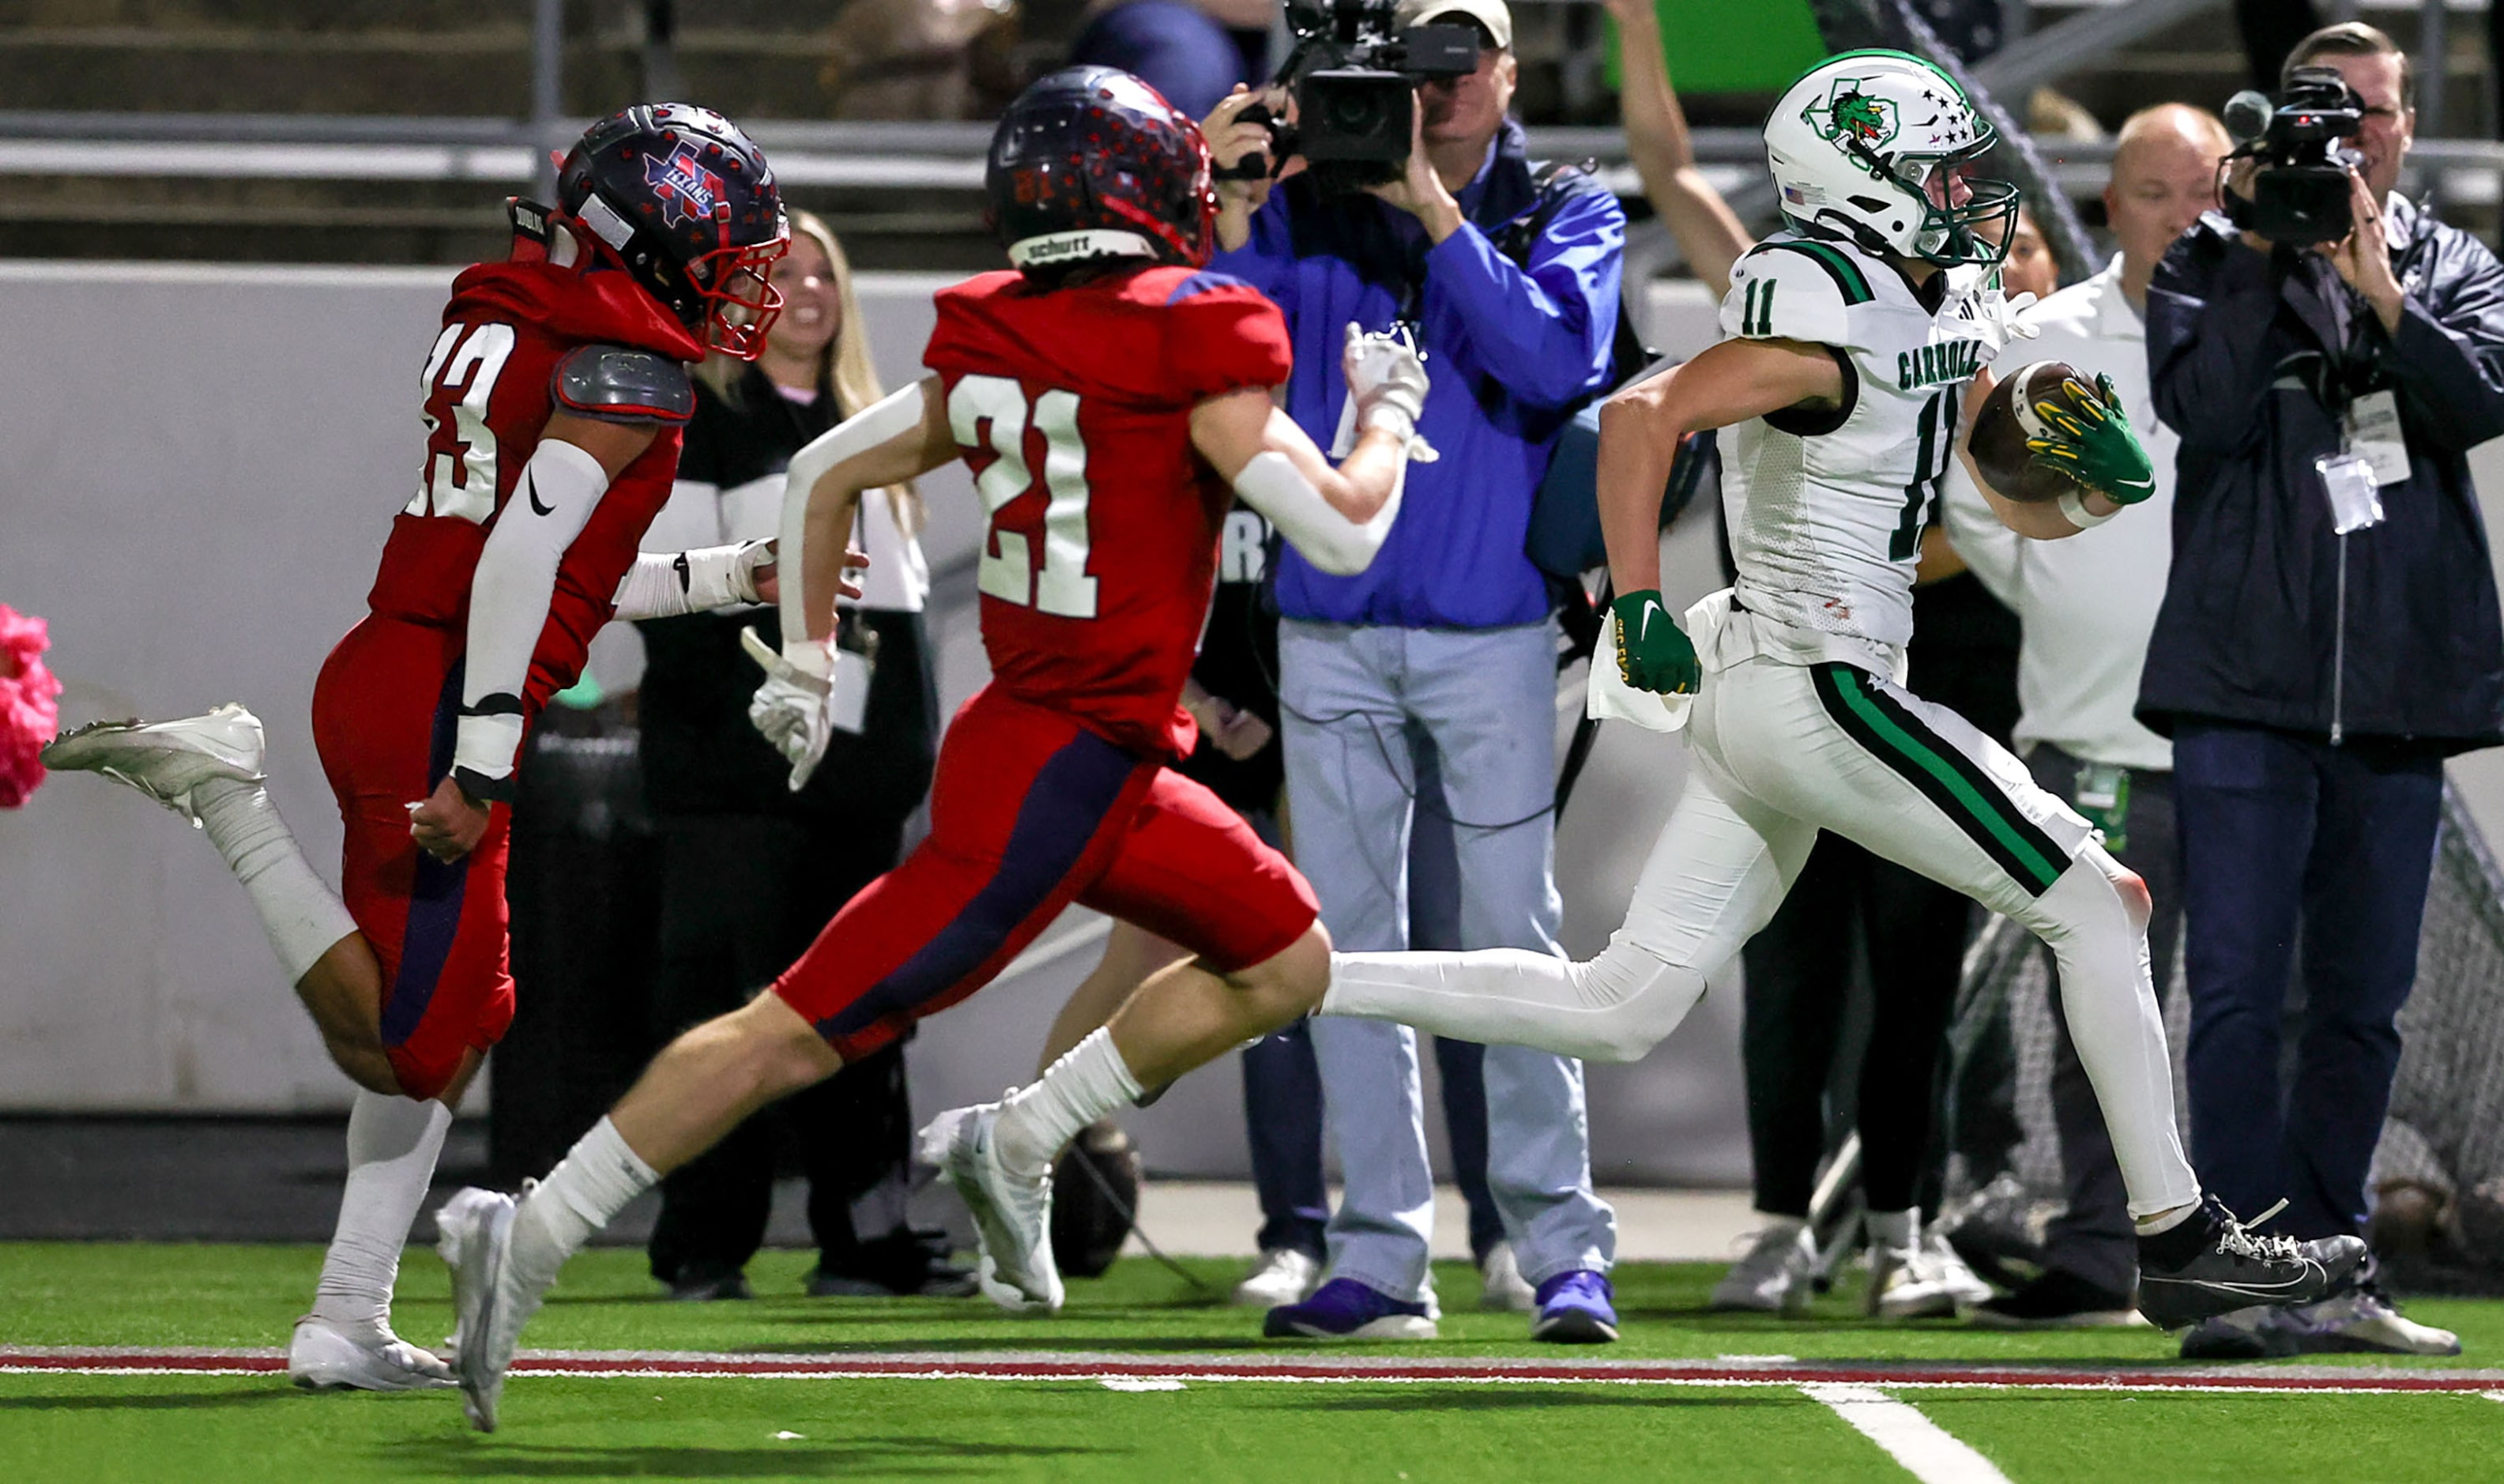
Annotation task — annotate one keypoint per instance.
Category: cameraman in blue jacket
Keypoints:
(1449, 631)
(2313, 681)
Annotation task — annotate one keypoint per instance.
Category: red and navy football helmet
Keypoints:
(1091, 163)
(685, 201)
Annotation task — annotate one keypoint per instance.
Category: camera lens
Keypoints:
(1353, 112)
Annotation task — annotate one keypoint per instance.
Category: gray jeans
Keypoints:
(1487, 697)
(2094, 1238)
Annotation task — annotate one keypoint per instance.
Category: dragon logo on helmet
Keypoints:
(1847, 116)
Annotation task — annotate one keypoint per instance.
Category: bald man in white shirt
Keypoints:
(2088, 605)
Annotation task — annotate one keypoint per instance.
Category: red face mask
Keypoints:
(740, 303)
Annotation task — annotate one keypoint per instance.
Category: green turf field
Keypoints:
(86, 1427)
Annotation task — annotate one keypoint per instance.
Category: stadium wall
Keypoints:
(198, 469)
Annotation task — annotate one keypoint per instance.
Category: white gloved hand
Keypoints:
(1999, 318)
(744, 568)
(789, 710)
(1387, 382)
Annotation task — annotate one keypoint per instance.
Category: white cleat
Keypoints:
(165, 760)
(1962, 1282)
(1012, 1213)
(1283, 1276)
(2364, 1319)
(324, 1357)
(1776, 1275)
(477, 1235)
(1906, 1283)
(1502, 1289)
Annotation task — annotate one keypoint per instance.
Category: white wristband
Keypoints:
(1389, 417)
(811, 656)
(665, 585)
(487, 745)
(2074, 506)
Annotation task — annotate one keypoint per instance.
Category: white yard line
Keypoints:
(1928, 1451)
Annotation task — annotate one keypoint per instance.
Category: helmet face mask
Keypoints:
(1870, 147)
(685, 201)
(739, 300)
(1976, 229)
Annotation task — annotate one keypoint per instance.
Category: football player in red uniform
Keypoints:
(552, 400)
(1111, 399)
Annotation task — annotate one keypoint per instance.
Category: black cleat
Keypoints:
(2212, 1265)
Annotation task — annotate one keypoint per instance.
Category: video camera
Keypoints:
(2300, 194)
(1354, 81)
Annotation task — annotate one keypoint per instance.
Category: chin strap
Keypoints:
(1860, 233)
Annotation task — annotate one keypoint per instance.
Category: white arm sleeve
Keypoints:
(508, 606)
(1273, 485)
(892, 416)
(665, 585)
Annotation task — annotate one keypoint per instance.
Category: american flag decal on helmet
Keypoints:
(688, 191)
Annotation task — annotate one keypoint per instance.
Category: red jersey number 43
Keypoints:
(991, 414)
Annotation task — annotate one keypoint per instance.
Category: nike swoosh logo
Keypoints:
(2254, 1289)
(532, 489)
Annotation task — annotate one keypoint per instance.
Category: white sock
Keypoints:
(1896, 1229)
(1039, 1120)
(303, 916)
(392, 1142)
(1787, 1228)
(583, 1193)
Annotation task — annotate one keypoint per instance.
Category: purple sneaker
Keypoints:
(1576, 1309)
(1344, 1309)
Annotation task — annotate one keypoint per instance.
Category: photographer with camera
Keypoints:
(1405, 196)
(2329, 635)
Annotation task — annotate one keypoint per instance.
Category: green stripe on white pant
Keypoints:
(1770, 767)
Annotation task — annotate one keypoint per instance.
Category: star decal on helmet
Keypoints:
(1847, 116)
(688, 191)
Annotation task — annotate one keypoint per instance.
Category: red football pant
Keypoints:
(1031, 812)
(383, 716)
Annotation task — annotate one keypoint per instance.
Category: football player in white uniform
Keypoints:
(1849, 343)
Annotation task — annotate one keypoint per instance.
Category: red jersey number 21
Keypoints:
(1060, 586)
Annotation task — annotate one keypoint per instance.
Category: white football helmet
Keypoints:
(1855, 145)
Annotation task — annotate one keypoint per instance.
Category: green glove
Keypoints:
(1653, 653)
(2094, 444)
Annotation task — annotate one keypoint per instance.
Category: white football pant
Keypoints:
(1780, 751)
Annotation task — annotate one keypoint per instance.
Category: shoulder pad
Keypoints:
(1796, 290)
(618, 385)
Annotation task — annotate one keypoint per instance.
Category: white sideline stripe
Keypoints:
(1929, 1452)
(526, 1372)
(1322, 1366)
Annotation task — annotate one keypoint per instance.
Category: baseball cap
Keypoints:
(1490, 14)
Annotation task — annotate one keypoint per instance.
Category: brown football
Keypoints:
(2008, 418)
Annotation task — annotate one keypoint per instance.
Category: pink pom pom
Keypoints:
(29, 715)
